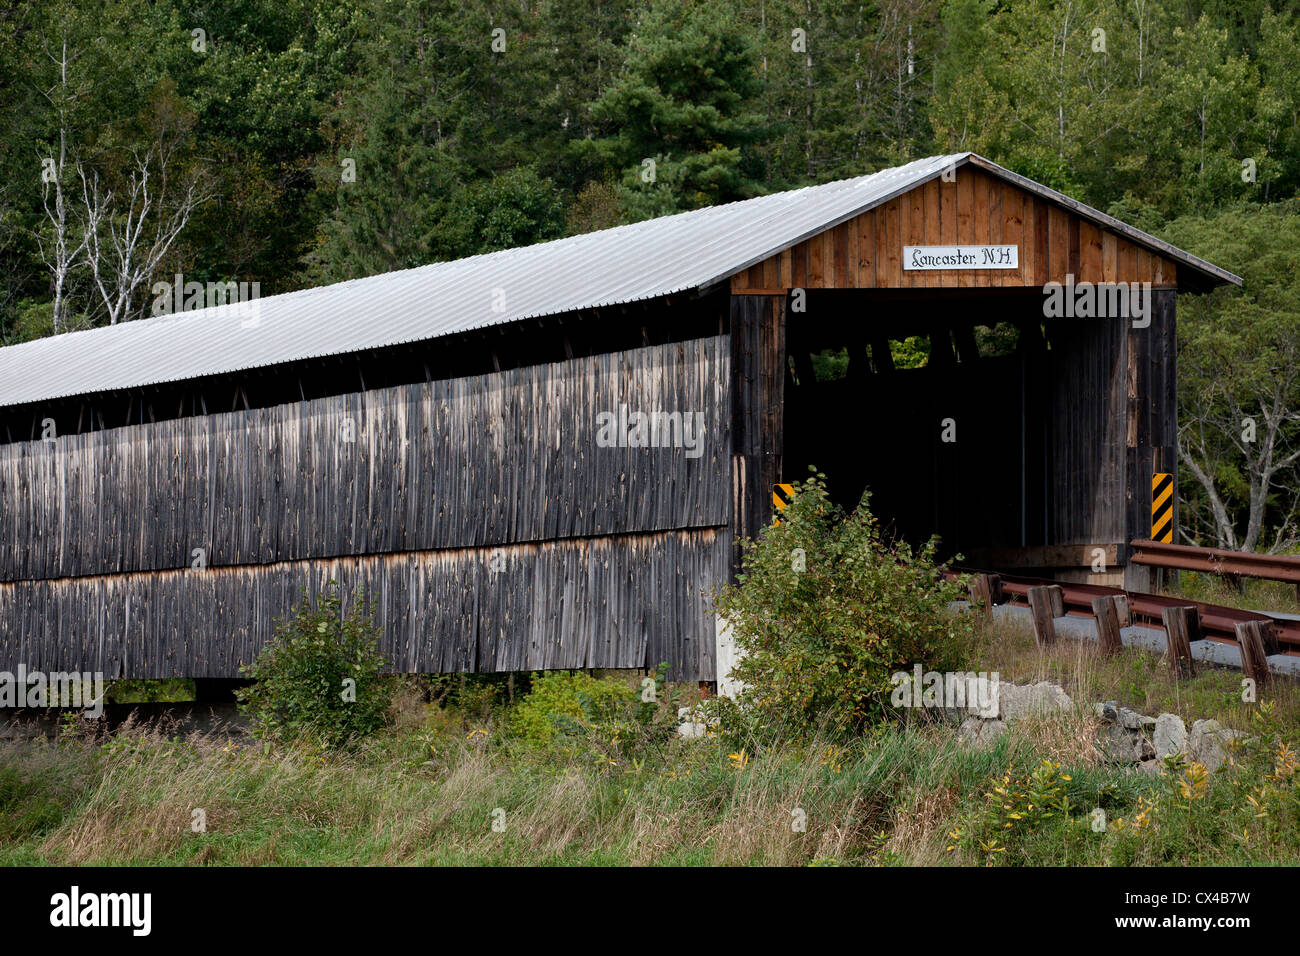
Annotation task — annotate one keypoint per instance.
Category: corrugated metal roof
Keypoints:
(1209, 274)
(644, 260)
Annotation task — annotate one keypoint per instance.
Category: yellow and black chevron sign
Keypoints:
(1162, 507)
(782, 495)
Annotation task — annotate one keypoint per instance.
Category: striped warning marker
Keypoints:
(782, 495)
(1162, 507)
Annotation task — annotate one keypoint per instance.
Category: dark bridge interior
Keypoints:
(876, 382)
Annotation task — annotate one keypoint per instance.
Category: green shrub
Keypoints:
(825, 610)
(320, 675)
(148, 691)
(477, 695)
(578, 711)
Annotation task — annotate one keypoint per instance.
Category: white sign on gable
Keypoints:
(926, 258)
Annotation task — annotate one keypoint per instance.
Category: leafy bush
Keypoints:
(320, 675)
(825, 610)
(477, 695)
(1016, 804)
(147, 691)
(578, 711)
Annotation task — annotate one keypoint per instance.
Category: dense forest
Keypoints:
(301, 142)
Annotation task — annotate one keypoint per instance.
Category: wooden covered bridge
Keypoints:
(464, 439)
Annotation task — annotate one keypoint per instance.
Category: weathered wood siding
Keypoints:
(1114, 423)
(493, 459)
(975, 209)
(758, 397)
(492, 529)
(1088, 379)
(622, 602)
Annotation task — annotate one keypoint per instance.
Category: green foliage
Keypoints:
(830, 364)
(1182, 118)
(320, 676)
(576, 712)
(461, 148)
(33, 803)
(1239, 358)
(150, 691)
(1016, 804)
(684, 101)
(477, 695)
(515, 208)
(826, 610)
(911, 352)
(565, 704)
(426, 791)
(1248, 809)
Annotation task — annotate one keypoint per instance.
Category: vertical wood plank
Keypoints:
(1090, 253)
(1107, 618)
(914, 232)
(966, 178)
(1059, 238)
(1042, 236)
(893, 251)
(995, 276)
(800, 258)
(947, 225)
(1012, 232)
(930, 229)
(1109, 257)
(1254, 659)
(980, 222)
(816, 261)
(866, 229)
(1042, 605)
(1182, 626)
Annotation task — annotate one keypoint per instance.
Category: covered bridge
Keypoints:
(462, 439)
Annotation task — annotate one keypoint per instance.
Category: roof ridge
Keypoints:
(631, 262)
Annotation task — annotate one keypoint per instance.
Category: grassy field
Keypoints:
(1135, 678)
(1251, 594)
(457, 783)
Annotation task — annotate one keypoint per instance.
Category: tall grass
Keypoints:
(1249, 593)
(690, 803)
(1135, 678)
(429, 789)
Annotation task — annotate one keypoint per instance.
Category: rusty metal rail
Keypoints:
(1271, 567)
(1217, 623)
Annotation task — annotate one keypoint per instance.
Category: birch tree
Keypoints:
(61, 242)
(128, 235)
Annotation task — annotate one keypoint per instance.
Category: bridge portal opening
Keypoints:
(969, 415)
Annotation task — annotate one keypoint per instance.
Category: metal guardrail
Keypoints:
(1255, 634)
(1181, 557)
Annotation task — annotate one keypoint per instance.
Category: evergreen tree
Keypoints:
(681, 115)
(397, 161)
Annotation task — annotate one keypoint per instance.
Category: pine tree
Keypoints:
(681, 115)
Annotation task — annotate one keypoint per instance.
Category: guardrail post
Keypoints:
(1045, 603)
(1268, 634)
(1252, 641)
(1106, 610)
(1182, 626)
(985, 589)
(1121, 610)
